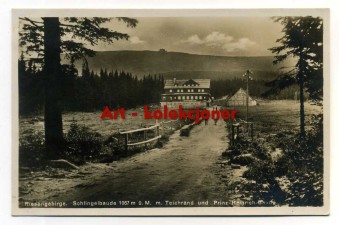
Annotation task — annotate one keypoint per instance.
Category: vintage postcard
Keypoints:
(170, 112)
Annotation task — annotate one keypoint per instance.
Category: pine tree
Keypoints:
(43, 37)
(303, 39)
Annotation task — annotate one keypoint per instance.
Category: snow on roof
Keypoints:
(202, 83)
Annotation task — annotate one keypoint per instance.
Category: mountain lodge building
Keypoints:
(188, 93)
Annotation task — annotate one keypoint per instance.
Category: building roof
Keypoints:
(240, 91)
(201, 83)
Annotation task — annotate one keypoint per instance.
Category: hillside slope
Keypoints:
(181, 65)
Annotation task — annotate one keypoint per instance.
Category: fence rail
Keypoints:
(235, 130)
(145, 141)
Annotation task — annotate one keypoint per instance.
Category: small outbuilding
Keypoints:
(239, 99)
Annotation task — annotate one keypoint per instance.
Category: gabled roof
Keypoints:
(239, 92)
(202, 83)
(191, 82)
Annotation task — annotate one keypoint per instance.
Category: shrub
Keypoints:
(260, 170)
(31, 149)
(231, 153)
(244, 159)
(114, 147)
(282, 166)
(259, 151)
(185, 132)
(82, 144)
(306, 190)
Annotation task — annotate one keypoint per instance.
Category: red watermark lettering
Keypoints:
(192, 114)
(107, 114)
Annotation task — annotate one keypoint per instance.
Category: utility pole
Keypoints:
(248, 77)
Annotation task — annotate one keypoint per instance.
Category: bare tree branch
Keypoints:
(34, 23)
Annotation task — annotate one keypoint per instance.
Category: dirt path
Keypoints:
(185, 169)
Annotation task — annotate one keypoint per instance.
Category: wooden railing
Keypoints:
(145, 141)
(235, 130)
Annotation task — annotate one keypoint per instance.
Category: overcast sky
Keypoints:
(229, 36)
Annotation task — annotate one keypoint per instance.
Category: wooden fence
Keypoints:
(145, 141)
(236, 127)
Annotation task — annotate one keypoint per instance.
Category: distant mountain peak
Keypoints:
(178, 64)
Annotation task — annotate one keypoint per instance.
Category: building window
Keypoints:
(195, 97)
(183, 97)
(192, 97)
(182, 90)
(198, 90)
(189, 90)
(170, 90)
(179, 97)
(178, 90)
(170, 98)
(192, 90)
(202, 90)
(175, 98)
(200, 97)
(163, 98)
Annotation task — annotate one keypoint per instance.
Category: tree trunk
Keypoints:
(52, 72)
(302, 69)
(302, 110)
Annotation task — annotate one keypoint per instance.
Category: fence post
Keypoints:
(155, 129)
(252, 131)
(126, 142)
(232, 139)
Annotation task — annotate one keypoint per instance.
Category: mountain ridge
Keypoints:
(182, 65)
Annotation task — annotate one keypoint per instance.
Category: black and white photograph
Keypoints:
(170, 112)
